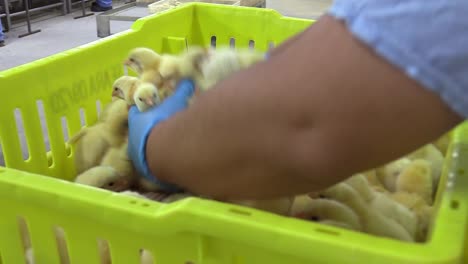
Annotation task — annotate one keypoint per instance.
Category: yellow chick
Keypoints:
(117, 158)
(223, 62)
(393, 210)
(430, 153)
(325, 211)
(373, 221)
(374, 181)
(347, 195)
(145, 62)
(124, 88)
(115, 173)
(360, 184)
(380, 225)
(382, 203)
(388, 173)
(135, 92)
(416, 178)
(185, 65)
(146, 96)
(422, 210)
(104, 177)
(91, 143)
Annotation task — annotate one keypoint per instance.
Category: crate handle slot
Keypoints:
(98, 108)
(82, 117)
(21, 134)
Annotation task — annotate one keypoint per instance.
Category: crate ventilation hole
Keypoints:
(146, 257)
(232, 42)
(82, 118)
(42, 119)
(21, 134)
(66, 135)
(2, 159)
(98, 108)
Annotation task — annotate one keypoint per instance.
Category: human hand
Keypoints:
(140, 125)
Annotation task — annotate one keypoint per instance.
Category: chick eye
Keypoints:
(132, 59)
(155, 95)
(116, 89)
(139, 98)
(111, 184)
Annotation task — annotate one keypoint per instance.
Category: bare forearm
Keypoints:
(312, 115)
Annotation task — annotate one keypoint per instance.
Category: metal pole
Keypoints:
(7, 14)
(83, 8)
(28, 21)
(19, 13)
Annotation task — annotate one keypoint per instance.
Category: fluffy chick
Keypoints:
(104, 177)
(91, 143)
(325, 211)
(430, 153)
(223, 62)
(372, 221)
(416, 178)
(388, 173)
(146, 96)
(115, 172)
(145, 62)
(124, 88)
(422, 210)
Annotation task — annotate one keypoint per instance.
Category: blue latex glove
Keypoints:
(140, 125)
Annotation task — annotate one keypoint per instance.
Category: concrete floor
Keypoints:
(60, 33)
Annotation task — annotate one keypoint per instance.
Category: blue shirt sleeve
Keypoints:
(428, 40)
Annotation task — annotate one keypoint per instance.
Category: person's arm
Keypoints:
(323, 109)
(286, 44)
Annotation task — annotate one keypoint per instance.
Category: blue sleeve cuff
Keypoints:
(425, 39)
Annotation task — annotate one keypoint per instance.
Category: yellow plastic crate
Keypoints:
(193, 230)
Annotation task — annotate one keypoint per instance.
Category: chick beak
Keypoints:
(149, 102)
(127, 62)
(115, 93)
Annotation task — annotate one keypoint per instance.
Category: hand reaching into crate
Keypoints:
(141, 123)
